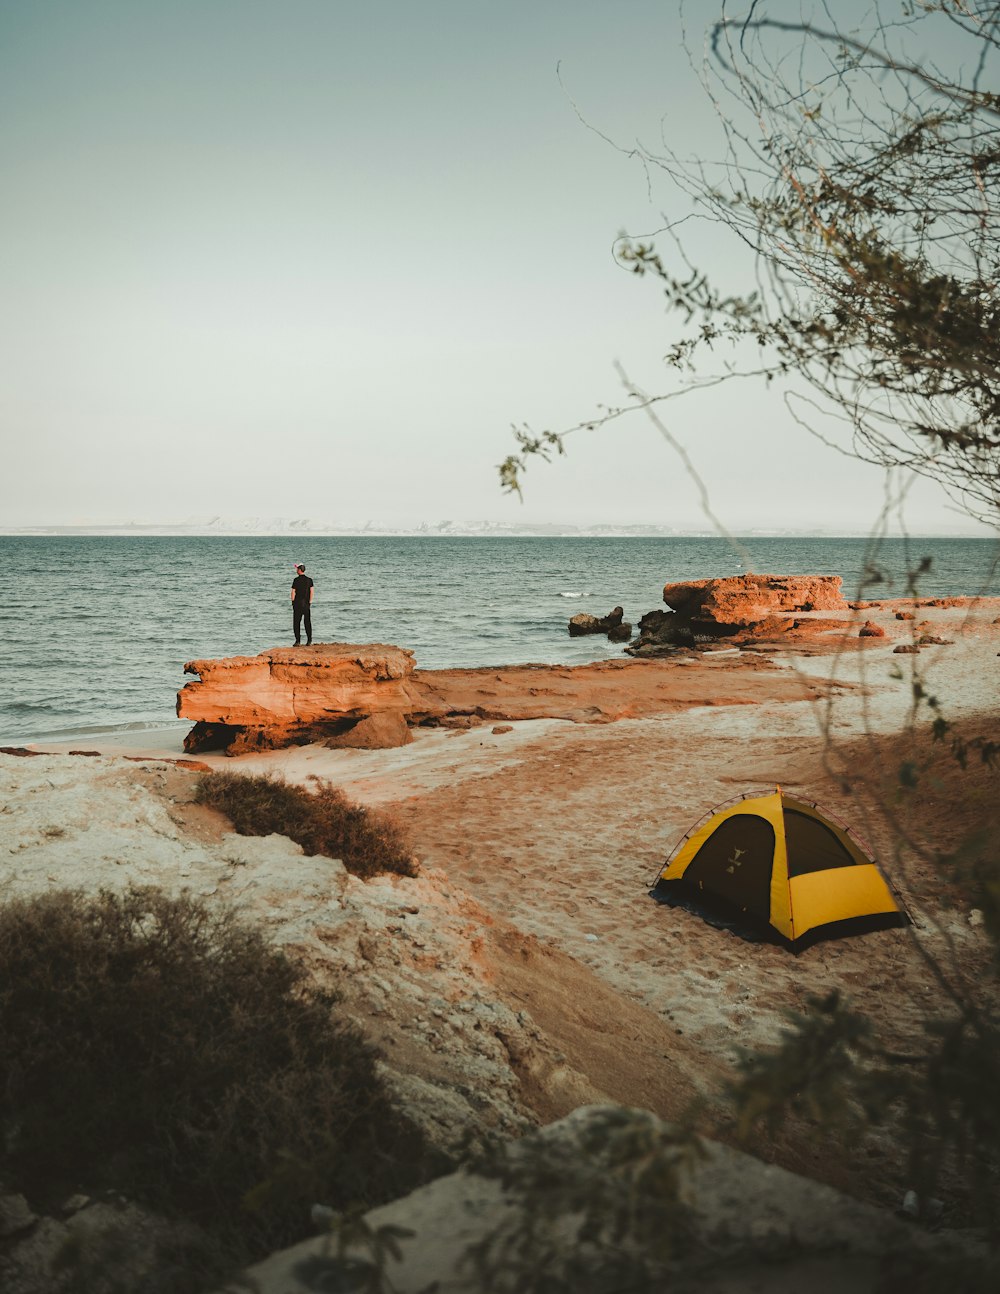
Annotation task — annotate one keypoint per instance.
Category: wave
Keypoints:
(585, 593)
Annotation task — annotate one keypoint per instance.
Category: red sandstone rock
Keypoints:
(297, 684)
(463, 698)
(382, 731)
(724, 606)
(292, 694)
(774, 626)
(871, 630)
(748, 609)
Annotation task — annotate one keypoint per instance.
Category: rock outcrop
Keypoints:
(743, 608)
(370, 695)
(343, 694)
(347, 695)
(660, 634)
(726, 606)
(613, 624)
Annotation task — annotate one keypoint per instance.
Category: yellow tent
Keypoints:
(776, 862)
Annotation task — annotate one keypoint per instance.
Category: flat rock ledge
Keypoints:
(371, 695)
(343, 694)
(743, 599)
(745, 609)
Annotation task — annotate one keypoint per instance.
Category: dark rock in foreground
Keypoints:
(661, 633)
(741, 1224)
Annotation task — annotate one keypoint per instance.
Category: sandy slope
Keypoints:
(527, 971)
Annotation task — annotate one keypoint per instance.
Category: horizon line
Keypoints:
(462, 530)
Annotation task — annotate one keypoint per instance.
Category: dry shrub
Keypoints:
(162, 1048)
(323, 821)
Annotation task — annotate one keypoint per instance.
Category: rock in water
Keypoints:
(613, 624)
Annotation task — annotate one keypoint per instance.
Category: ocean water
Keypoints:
(94, 631)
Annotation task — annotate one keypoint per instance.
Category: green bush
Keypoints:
(163, 1049)
(323, 821)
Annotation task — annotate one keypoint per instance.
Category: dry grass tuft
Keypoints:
(322, 821)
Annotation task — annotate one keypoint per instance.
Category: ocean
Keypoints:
(94, 631)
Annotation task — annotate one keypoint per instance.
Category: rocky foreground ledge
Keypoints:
(371, 695)
(738, 1224)
(345, 694)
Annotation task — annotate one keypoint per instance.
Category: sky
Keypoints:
(314, 259)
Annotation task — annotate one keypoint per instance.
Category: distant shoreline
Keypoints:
(445, 530)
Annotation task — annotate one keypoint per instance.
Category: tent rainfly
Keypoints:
(778, 864)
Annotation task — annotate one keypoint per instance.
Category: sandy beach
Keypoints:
(526, 971)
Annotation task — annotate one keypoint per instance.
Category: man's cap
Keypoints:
(300, 566)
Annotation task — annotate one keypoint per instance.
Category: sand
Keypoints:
(527, 972)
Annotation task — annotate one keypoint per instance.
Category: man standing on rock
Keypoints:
(302, 596)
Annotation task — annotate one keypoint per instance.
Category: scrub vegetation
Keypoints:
(161, 1050)
(323, 821)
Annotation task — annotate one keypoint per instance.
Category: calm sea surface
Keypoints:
(94, 631)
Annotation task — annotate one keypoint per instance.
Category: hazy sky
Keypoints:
(313, 258)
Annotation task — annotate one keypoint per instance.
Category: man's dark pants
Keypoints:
(300, 613)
